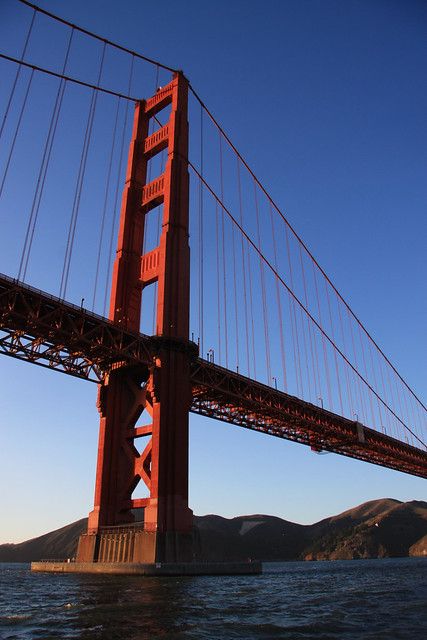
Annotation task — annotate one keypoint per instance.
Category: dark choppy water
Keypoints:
(370, 599)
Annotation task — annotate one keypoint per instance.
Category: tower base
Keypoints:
(133, 545)
(151, 569)
(135, 551)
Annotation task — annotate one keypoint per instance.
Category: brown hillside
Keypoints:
(419, 548)
(257, 536)
(351, 517)
(59, 544)
(376, 529)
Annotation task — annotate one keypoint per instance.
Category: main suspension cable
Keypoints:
(303, 245)
(298, 302)
(69, 79)
(93, 35)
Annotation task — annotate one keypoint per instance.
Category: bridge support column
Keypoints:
(162, 391)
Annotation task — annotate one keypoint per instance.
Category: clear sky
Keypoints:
(326, 101)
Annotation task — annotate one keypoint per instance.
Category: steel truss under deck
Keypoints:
(45, 330)
(224, 395)
(40, 328)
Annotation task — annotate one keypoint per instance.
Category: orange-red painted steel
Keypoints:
(226, 395)
(164, 391)
(39, 328)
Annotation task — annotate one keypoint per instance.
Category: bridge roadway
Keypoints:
(40, 328)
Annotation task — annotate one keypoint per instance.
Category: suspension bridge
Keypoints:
(206, 295)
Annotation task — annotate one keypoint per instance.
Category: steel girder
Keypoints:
(225, 395)
(45, 330)
(48, 331)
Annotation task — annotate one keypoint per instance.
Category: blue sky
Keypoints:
(326, 102)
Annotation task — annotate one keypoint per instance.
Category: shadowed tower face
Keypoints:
(163, 390)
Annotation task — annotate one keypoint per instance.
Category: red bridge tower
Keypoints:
(164, 389)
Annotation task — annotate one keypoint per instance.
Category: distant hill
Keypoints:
(58, 544)
(378, 529)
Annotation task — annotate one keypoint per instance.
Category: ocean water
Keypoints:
(375, 599)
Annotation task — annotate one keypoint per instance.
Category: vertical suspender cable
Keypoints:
(243, 268)
(218, 281)
(263, 293)
(406, 408)
(310, 331)
(235, 298)
(334, 350)
(375, 381)
(16, 131)
(302, 315)
(116, 196)
(366, 376)
(400, 405)
(76, 202)
(279, 305)
(387, 413)
(251, 306)
(79, 186)
(201, 301)
(357, 382)
(395, 432)
(346, 367)
(107, 189)
(422, 421)
(223, 253)
(325, 355)
(414, 418)
(43, 170)
(295, 341)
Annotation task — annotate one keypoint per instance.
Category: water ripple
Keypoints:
(369, 600)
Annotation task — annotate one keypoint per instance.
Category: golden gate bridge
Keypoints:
(211, 303)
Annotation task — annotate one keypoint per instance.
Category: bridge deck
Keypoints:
(225, 395)
(45, 330)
